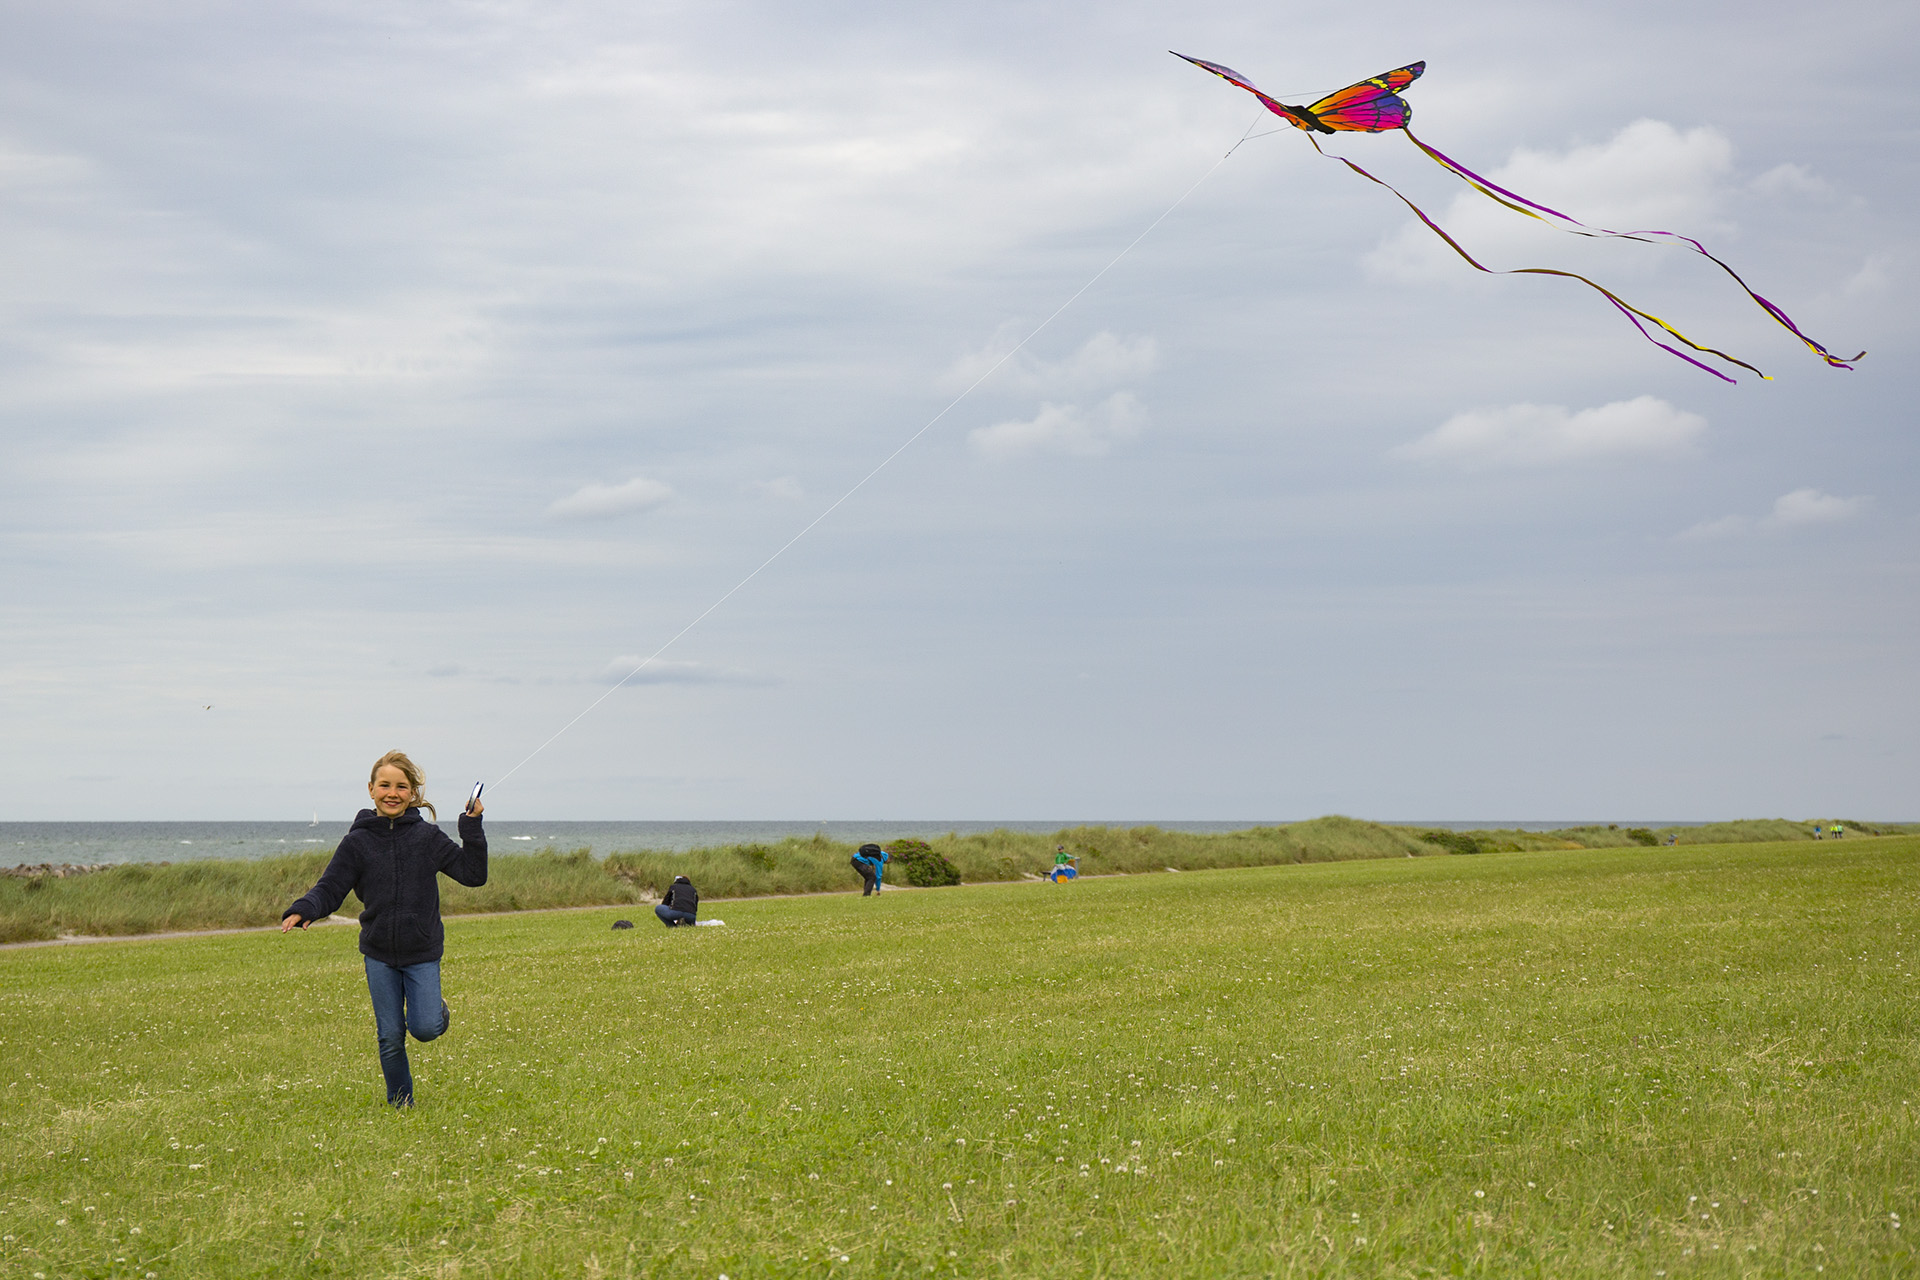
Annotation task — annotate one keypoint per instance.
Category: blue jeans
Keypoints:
(669, 917)
(405, 998)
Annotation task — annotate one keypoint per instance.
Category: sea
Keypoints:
(95, 843)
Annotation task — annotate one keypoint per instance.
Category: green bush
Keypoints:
(923, 865)
(1640, 835)
(756, 855)
(1452, 841)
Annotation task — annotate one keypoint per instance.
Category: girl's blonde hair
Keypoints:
(415, 779)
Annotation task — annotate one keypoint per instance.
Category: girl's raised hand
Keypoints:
(293, 920)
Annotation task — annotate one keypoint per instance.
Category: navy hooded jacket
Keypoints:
(394, 865)
(682, 896)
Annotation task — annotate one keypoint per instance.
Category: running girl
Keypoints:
(392, 858)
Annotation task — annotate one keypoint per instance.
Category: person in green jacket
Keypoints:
(1065, 865)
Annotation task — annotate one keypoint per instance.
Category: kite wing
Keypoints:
(1372, 106)
(1231, 76)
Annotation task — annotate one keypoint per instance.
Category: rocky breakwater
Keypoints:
(54, 870)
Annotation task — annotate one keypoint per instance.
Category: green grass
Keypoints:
(1743, 831)
(1697, 1061)
(163, 897)
(156, 898)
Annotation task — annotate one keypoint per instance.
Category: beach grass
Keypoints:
(1691, 1061)
(138, 898)
(152, 898)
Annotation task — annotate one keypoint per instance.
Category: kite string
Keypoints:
(883, 464)
(1245, 138)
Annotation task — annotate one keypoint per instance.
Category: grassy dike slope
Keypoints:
(157, 898)
(162, 897)
(1698, 1061)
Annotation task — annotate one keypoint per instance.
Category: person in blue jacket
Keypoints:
(393, 858)
(871, 863)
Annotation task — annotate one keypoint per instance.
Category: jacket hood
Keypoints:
(370, 819)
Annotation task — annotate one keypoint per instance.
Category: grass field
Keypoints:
(158, 897)
(1692, 1061)
(145, 897)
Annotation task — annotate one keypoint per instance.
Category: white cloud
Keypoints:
(1874, 276)
(1064, 428)
(1796, 510)
(1649, 176)
(153, 458)
(604, 501)
(1811, 506)
(626, 669)
(1068, 425)
(1544, 435)
(1724, 527)
(1791, 180)
(785, 488)
(1103, 362)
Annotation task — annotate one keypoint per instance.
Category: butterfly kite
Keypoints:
(1375, 106)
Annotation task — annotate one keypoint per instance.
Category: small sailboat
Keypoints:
(316, 819)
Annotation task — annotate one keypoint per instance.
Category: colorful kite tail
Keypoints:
(1633, 314)
(1520, 204)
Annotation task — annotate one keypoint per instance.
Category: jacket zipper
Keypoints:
(393, 858)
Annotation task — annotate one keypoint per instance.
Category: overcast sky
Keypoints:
(380, 375)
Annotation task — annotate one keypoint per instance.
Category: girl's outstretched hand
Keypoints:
(476, 807)
(293, 920)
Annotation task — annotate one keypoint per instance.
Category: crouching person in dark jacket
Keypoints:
(681, 904)
(393, 859)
